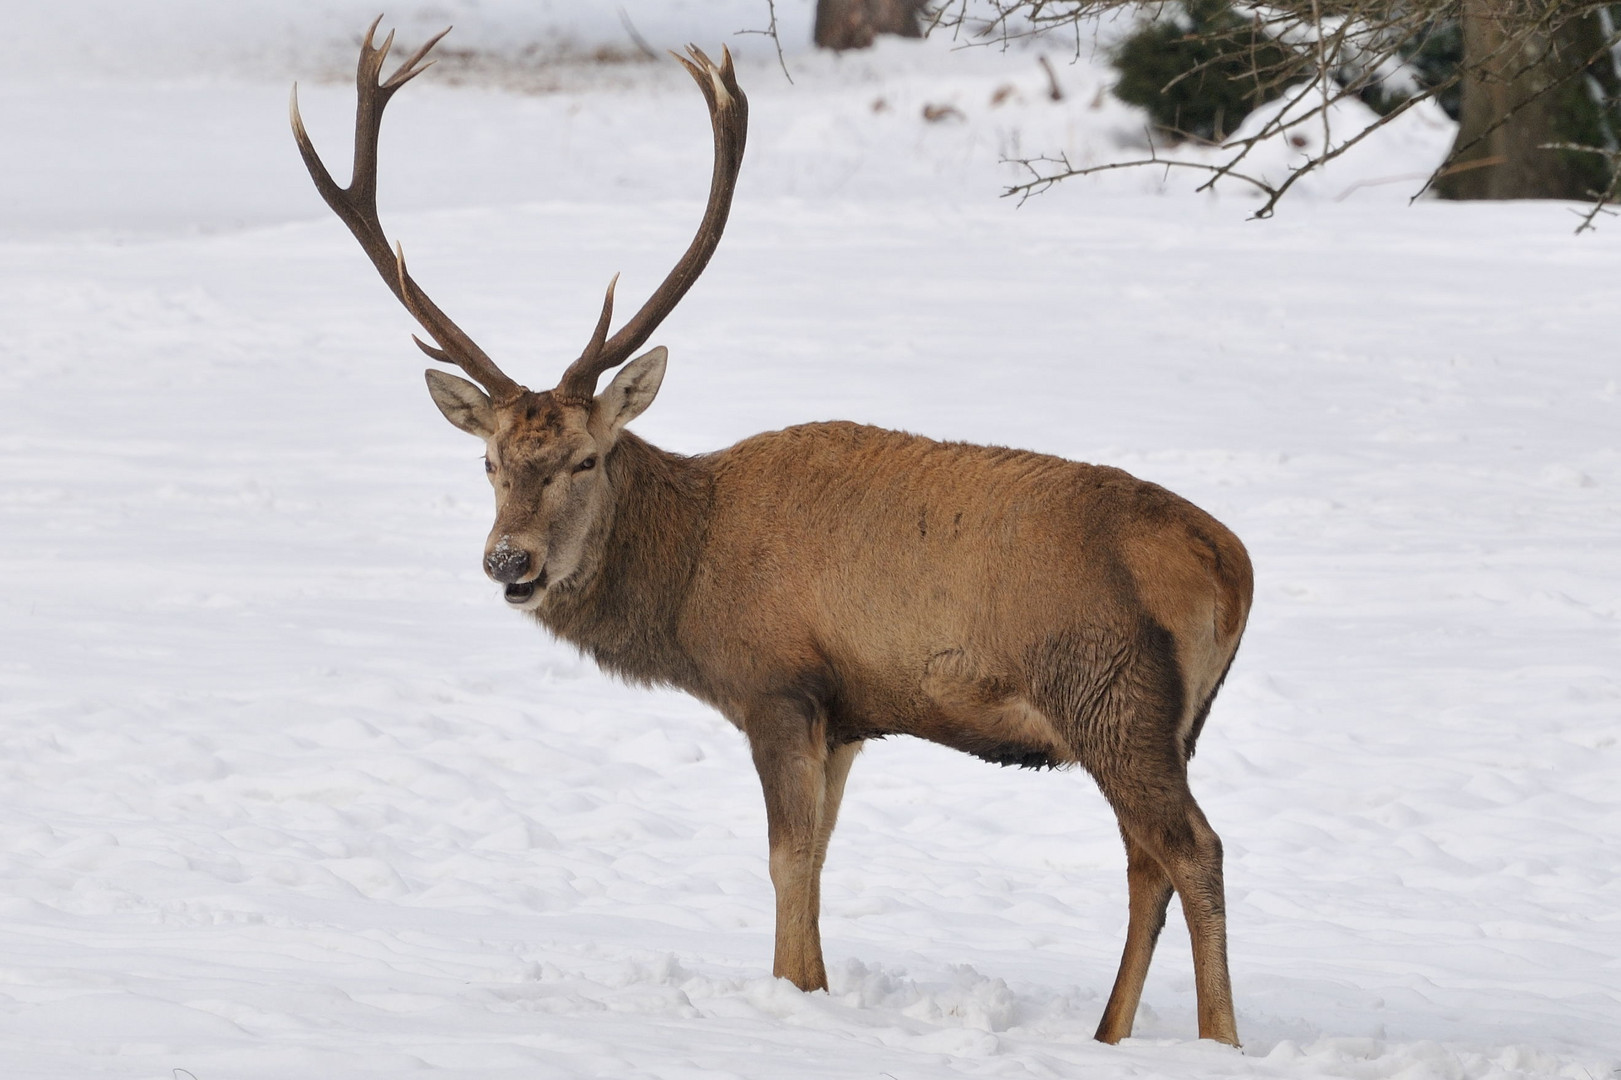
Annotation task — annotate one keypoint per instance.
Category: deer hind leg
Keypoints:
(1150, 896)
(834, 774)
(1131, 723)
(1157, 814)
(790, 752)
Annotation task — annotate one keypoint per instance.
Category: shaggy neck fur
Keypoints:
(625, 608)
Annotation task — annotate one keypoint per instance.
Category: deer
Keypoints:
(832, 583)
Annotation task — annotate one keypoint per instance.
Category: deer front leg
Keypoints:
(791, 755)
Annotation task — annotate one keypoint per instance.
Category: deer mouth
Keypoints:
(521, 592)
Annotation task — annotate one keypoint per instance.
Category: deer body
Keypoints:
(904, 585)
(831, 583)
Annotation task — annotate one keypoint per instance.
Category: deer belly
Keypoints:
(985, 716)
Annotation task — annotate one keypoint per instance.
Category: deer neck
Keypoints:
(625, 609)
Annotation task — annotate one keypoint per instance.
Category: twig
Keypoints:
(1478, 163)
(1322, 66)
(1601, 199)
(771, 32)
(1043, 181)
(1054, 91)
(636, 38)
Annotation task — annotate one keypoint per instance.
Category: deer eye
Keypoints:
(588, 463)
(489, 466)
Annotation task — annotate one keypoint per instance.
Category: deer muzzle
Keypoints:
(521, 592)
(506, 563)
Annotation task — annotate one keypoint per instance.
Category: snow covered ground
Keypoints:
(286, 792)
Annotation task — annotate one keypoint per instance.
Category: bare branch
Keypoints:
(771, 32)
(1601, 199)
(635, 36)
(1323, 49)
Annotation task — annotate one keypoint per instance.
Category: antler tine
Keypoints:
(356, 206)
(409, 70)
(729, 119)
(593, 348)
(418, 305)
(438, 354)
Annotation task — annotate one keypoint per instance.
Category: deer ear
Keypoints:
(631, 391)
(463, 404)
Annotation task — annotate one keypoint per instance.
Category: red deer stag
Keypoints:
(833, 583)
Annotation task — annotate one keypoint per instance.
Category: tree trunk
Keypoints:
(853, 24)
(1520, 92)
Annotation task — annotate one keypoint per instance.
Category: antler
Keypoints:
(729, 116)
(356, 205)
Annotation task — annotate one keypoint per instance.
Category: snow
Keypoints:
(285, 790)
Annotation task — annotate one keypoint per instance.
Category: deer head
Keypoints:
(546, 452)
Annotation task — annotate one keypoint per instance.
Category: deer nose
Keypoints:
(505, 563)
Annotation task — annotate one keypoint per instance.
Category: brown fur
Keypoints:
(832, 583)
